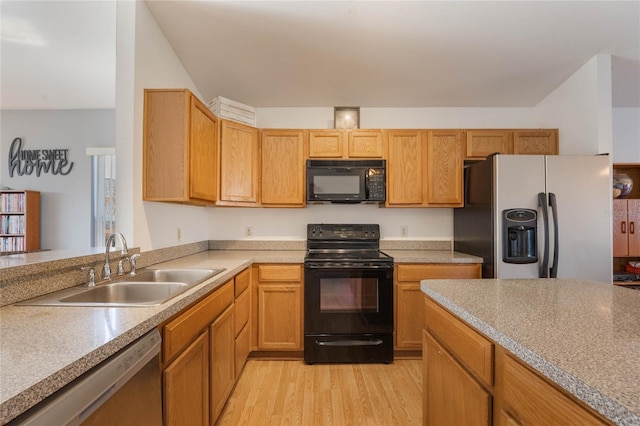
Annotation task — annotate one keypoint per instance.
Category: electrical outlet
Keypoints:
(248, 231)
(178, 234)
(404, 230)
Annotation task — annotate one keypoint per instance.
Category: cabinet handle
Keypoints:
(623, 227)
(632, 228)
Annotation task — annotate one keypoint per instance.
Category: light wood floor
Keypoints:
(293, 393)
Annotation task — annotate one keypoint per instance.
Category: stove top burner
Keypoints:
(345, 243)
(339, 254)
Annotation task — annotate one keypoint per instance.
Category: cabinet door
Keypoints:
(186, 386)
(283, 168)
(451, 395)
(531, 400)
(405, 178)
(535, 142)
(280, 316)
(365, 144)
(222, 349)
(444, 167)
(239, 163)
(326, 143)
(243, 347)
(409, 306)
(633, 213)
(481, 143)
(165, 154)
(203, 152)
(620, 229)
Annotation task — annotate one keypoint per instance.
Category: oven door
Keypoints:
(348, 315)
(348, 298)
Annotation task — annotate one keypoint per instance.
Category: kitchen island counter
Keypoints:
(582, 335)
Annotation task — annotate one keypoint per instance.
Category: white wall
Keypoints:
(626, 135)
(581, 109)
(65, 200)
(146, 60)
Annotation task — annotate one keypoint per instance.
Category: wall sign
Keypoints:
(26, 161)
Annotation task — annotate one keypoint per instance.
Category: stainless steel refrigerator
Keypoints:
(536, 216)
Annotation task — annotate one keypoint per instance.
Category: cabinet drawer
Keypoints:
(280, 273)
(522, 393)
(468, 346)
(242, 282)
(177, 333)
(438, 270)
(242, 311)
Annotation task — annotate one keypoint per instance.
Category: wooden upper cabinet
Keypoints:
(326, 143)
(346, 144)
(535, 142)
(283, 168)
(405, 168)
(444, 167)
(365, 144)
(481, 143)
(239, 164)
(180, 145)
(203, 152)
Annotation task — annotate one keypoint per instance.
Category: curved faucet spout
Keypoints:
(106, 271)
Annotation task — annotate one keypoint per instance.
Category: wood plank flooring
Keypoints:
(271, 392)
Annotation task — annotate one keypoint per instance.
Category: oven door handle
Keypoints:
(333, 265)
(353, 342)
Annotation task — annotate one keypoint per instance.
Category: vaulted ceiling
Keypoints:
(327, 53)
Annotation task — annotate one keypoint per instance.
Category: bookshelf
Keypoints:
(19, 221)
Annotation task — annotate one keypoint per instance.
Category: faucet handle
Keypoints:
(121, 266)
(92, 275)
(132, 262)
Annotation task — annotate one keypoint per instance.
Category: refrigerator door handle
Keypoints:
(556, 244)
(542, 203)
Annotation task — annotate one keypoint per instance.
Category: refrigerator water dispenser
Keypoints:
(519, 241)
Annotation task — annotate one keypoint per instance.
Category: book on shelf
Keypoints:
(12, 203)
(11, 224)
(8, 244)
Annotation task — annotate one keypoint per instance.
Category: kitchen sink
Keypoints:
(147, 288)
(186, 276)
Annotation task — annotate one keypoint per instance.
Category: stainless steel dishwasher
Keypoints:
(123, 390)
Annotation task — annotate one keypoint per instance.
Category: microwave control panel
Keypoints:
(376, 185)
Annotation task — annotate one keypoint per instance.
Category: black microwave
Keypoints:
(346, 181)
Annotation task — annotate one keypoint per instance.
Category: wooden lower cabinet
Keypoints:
(409, 299)
(451, 395)
(520, 394)
(185, 386)
(222, 349)
(470, 380)
(278, 292)
(203, 354)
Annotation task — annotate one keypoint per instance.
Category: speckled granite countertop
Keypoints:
(583, 335)
(43, 348)
(431, 256)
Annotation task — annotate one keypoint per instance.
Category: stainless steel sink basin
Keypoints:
(171, 275)
(140, 293)
(147, 288)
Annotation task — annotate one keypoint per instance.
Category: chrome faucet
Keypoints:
(106, 270)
